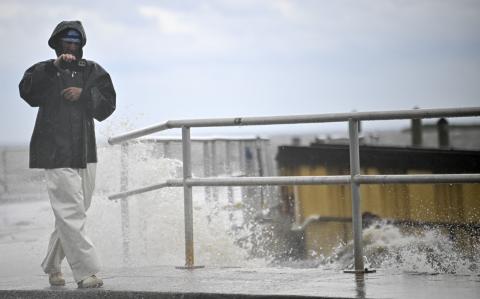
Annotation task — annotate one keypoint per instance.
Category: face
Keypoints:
(70, 48)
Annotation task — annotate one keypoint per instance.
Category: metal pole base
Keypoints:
(366, 270)
(189, 267)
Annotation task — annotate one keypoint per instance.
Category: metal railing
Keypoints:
(355, 179)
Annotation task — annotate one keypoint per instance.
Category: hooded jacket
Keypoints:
(64, 133)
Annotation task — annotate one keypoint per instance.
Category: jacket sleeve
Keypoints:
(37, 83)
(99, 93)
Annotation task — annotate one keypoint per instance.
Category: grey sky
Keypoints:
(196, 59)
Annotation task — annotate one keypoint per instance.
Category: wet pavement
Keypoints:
(25, 228)
(225, 282)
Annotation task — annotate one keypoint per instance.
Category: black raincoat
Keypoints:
(64, 133)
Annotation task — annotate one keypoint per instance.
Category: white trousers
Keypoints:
(70, 191)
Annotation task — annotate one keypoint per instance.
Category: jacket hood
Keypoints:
(53, 41)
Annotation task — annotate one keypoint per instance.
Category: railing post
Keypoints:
(355, 191)
(187, 199)
(125, 218)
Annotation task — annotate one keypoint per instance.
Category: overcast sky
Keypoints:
(219, 58)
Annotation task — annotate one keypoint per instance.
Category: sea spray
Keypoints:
(156, 219)
(404, 249)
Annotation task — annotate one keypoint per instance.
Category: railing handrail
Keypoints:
(306, 180)
(202, 139)
(298, 119)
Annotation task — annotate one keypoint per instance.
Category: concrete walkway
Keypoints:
(168, 282)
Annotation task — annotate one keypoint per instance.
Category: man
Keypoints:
(70, 92)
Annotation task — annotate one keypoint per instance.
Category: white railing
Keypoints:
(355, 179)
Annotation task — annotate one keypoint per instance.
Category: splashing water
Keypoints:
(389, 247)
(156, 219)
(156, 228)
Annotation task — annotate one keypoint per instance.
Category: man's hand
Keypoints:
(64, 57)
(71, 94)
